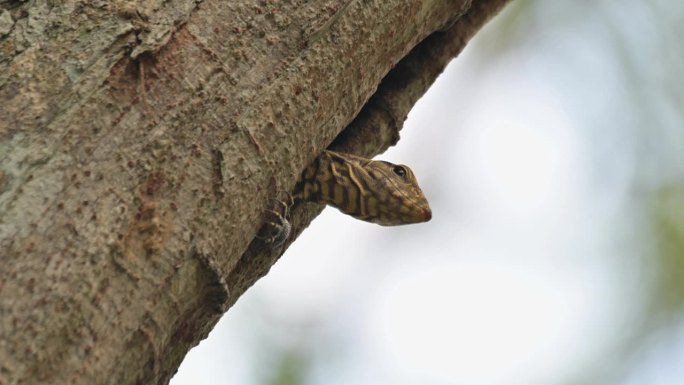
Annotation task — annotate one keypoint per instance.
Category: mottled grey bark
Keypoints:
(141, 142)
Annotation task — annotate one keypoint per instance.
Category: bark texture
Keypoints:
(142, 142)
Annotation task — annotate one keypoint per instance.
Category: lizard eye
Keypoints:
(400, 171)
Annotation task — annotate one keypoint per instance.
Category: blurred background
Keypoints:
(552, 153)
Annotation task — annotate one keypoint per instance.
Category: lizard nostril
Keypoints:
(427, 214)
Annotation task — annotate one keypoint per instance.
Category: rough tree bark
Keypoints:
(141, 142)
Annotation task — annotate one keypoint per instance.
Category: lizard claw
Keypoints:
(279, 224)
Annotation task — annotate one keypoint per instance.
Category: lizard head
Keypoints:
(371, 190)
(393, 197)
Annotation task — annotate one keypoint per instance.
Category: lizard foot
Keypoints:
(279, 224)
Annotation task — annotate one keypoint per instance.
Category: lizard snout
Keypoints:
(427, 214)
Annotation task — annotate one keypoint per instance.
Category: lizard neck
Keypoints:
(334, 179)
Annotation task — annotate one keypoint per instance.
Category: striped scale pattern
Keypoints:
(371, 190)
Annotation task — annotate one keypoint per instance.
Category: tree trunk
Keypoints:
(140, 145)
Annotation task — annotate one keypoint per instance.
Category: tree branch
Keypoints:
(140, 145)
